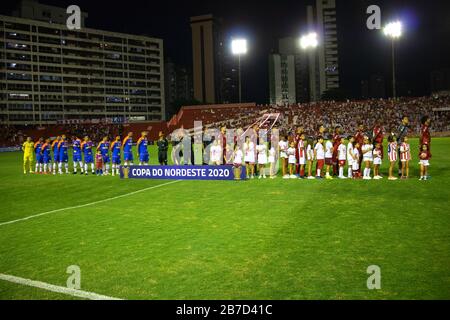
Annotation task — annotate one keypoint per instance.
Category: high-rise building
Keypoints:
(282, 73)
(32, 9)
(291, 46)
(214, 68)
(49, 73)
(178, 87)
(204, 67)
(282, 79)
(324, 61)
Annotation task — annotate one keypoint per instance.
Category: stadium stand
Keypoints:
(310, 115)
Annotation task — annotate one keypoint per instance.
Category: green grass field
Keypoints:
(271, 239)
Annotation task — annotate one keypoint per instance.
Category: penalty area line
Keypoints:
(88, 204)
(57, 289)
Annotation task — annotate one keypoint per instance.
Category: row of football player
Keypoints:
(356, 156)
(110, 153)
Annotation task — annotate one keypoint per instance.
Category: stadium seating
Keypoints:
(310, 115)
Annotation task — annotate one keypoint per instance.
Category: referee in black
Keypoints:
(163, 147)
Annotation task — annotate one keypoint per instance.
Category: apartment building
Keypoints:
(49, 73)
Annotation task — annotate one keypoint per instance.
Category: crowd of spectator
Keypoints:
(10, 136)
(348, 115)
(95, 132)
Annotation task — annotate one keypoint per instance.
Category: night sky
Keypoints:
(424, 47)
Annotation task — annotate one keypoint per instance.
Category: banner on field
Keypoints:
(226, 172)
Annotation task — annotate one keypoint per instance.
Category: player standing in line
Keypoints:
(223, 134)
(86, 148)
(356, 161)
(392, 150)
(425, 136)
(37, 150)
(328, 158)
(262, 159)
(342, 157)
(425, 156)
(63, 147)
(272, 161)
(99, 162)
(237, 162)
(319, 155)
(292, 160)
(55, 153)
(283, 147)
(322, 131)
(378, 136)
(350, 156)
(336, 143)
(402, 132)
(299, 132)
(77, 157)
(377, 160)
(163, 147)
(359, 139)
(142, 149)
(103, 146)
(302, 155)
(367, 151)
(116, 146)
(249, 157)
(216, 153)
(46, 156)
(28, 150)
(127, 148)
(405, 157)
(310, 157)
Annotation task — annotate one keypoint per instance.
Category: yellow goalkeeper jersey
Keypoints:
(28, 148)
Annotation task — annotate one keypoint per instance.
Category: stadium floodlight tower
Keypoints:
(394, 31)
(239, 47)
(309, 41)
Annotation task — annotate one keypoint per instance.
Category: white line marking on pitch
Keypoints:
(89, 204)
(53, 288)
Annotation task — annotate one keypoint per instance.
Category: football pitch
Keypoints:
(259, 239)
